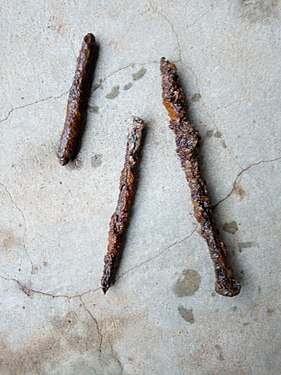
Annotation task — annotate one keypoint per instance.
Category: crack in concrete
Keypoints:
(157, 255)
(25, 225)
(199, 18)
(115, 357)
(96, 324)
(240, 174)
(210, 116)
(230, 104)
(31, 104)
(30, 291)
(131, 65)
(161, 14)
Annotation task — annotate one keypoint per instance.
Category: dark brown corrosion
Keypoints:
(77, 102)
(119, 219)
(187, 139)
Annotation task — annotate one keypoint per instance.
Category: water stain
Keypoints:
(270, 311)
(93, 108)
(219, 354)
(113, 93)
(139, 74)
(246, 324)
(245, 245)
(196, 97)
(187, 284)
(96, 161)
(209, 133)
(234, 308)
(128, 86)
(238, 189)
(218, 134)
(69, 339)
(186, 314)
(231, 227)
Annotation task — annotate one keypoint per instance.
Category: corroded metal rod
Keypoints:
(187, 139)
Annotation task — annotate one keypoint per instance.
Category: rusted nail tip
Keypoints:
(63, 161)
(89, 38)
(137, 121)
(228, 287)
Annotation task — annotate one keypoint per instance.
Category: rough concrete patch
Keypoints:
(259, 10)
(72, 337)
(96, 161)
(8, 240)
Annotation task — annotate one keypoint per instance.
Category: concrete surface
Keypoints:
(162, 316)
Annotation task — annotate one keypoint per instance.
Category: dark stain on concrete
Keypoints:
(128, 86)
(270, 311)
(93, 108)
(209, 133)
(217, 134)
(224, 145)
(196, 97)
(230, 227)
(186, 314)
(219, 352)
(139, 74)
(187, 284)
(245, 245)
(239, 190)
(113, 93)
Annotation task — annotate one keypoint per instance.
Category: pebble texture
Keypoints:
(162, 315)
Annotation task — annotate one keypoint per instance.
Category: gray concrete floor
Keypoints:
(162, 315)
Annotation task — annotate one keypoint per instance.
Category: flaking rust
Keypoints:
(77, 102)
(119, 219)
(187, 139)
